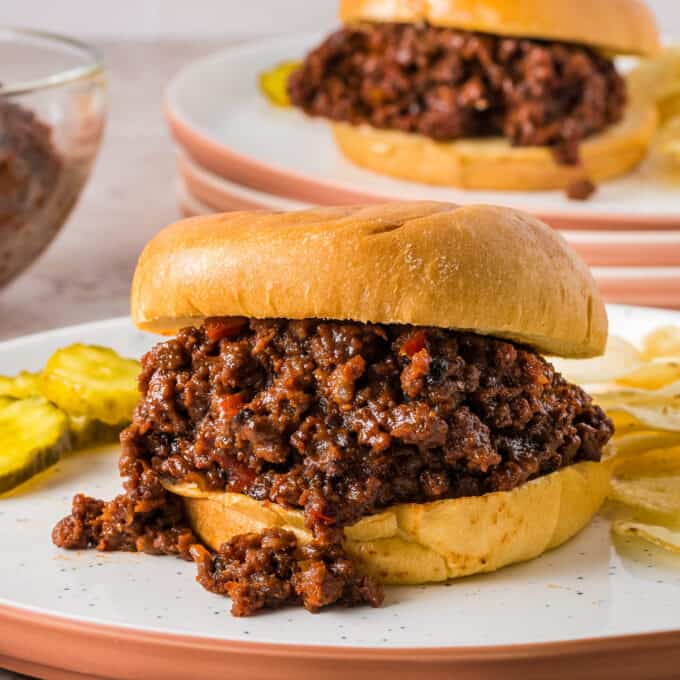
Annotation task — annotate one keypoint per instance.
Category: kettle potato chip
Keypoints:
(656, 409)
(650, 482)
(620, 358)
(662, 342)
(665, 538)
(652, 376)
(636, 442)
(640, 391)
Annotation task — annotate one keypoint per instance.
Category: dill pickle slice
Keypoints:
(273, 82)
(33, 435)
(87, 433)
(92, 381)
(20, 386)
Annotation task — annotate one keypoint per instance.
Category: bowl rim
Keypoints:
(94, 62)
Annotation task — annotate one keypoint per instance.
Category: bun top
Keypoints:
(619, 26)
(489, 270)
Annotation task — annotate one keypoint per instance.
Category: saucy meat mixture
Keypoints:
(449, 84)
(340, 419)
(29, 164)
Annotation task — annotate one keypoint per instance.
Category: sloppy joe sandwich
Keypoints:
(484, 94)
(356, 396)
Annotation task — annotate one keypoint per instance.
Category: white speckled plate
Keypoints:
(120, 610)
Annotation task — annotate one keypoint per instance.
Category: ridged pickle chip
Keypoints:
(668, 539)
(87, 433)
(20, 386)
(33, 435)
(273, 82)
(650, 482)
(91, 381)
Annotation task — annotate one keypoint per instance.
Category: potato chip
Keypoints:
(649, 482)
(662, 536)
(620, 358)
(660, 461)
(640, 391)
(669, 105)
(652, 376)
(624, 423)
(662, 342)
(656, 77)
(658, 81)
(655, 409)
(633, 443)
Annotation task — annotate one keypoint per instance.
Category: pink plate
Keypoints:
(646, 286)
(597, 248)
(55, 648)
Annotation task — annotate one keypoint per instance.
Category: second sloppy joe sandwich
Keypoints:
(484, 94)
(356, 396)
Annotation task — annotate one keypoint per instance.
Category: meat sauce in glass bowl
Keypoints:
(52, 114)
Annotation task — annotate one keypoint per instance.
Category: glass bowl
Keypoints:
(52, 114)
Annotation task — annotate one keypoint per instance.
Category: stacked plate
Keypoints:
(238, 152)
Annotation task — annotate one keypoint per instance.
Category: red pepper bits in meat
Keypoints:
(218, 328)
(414, 344)
(231, 405)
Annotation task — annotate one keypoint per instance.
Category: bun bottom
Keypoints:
(493, 163)
(417, 543)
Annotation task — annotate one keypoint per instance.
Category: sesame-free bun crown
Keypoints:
(618, 26)
(485, 269)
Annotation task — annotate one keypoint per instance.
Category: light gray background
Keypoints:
(192, 18)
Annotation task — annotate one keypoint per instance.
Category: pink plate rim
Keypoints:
(202, 192)
(46, 640)
(247, 171)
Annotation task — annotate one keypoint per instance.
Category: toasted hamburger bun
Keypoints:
(618, 26)
(615, 26)
(493, 163)
(428, 542)
(480, 268)
(489, 270)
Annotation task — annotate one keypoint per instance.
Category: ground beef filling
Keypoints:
(448, 84)
(338, 419)
(268, 570)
